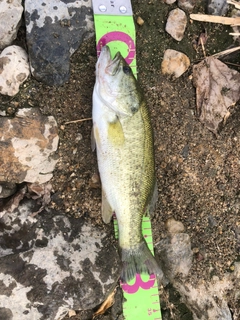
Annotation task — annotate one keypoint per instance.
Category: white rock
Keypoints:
(176, 24)
(169, 1)
(14, 69)
(10, 18)
(174, 63)
(28, 145)
(207, 300)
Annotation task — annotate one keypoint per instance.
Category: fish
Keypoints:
(123, 137)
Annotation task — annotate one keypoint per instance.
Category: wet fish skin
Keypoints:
(124, 141)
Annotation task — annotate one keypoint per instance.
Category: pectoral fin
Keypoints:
(107, 211)
(115, 133)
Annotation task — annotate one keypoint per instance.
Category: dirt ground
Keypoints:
(198, 173)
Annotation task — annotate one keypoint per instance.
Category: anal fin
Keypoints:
(107, 211)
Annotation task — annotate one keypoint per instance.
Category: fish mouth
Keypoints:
(106, 64)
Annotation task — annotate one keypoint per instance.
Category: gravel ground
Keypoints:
(198, 173)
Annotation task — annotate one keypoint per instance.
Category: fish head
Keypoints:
(117, 86)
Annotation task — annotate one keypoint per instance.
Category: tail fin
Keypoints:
(138, 260)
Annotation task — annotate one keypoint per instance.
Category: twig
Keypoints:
(235, 3)
(233, 64)
(76, 121)
(215, 19)
(225, 52)
(203, 48)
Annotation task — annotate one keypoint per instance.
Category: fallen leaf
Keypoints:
(105, 305)
(41, 193)
(217, 89)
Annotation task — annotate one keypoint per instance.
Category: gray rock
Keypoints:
(10, 19)
(176, 24)
(187, 5)
(175, 255)
(55, 29)
(7, 189)
(217, 7)
(14, 69)
(51, 264)
(205, 299)
(28, 147)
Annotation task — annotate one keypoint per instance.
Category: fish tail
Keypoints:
(139, 259)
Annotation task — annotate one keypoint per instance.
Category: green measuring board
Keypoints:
(114, 26)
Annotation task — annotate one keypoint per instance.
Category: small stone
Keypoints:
(186, 5)
(215, 278)
(176, 24)
(174, 226)
(232, 268)
(78, 137)
(14, 69)
(10, 20)
(195, 250)
(174, 63)
(140, 21)
(95, 181)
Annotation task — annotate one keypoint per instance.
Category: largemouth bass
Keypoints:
(124, 141)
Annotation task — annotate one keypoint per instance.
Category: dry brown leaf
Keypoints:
(217, 89)
(41, 193)
(105, 305)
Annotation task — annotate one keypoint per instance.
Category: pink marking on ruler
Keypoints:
(118, 36)
(139, 283)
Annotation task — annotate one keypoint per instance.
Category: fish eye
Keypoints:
(126, 69)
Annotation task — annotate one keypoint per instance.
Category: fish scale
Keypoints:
(114, 26)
